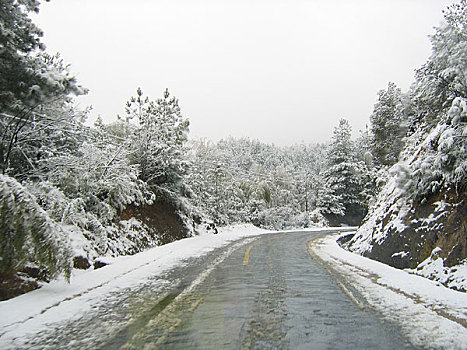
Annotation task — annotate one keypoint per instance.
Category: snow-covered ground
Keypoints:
(33, 312)
(431, 315)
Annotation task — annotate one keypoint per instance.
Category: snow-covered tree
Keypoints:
(388, 126)
(59, 129)
(19, 37)
(439, 161)
(158, 142)
(443, 77)
(328, 202)
(421, 208)
(28, 234)
(439, 95)
(343, 177)
(243, 180)
(29, 79)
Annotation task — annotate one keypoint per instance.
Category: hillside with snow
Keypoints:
(419, 219)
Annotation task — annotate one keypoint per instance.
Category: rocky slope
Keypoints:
(419, 219)
(429, 238)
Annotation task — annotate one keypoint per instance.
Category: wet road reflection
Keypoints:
(280, 299)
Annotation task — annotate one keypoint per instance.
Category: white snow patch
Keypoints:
(400, 255)
(430, 315)
(434, 269)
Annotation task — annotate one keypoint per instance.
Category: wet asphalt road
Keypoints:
(261, 293)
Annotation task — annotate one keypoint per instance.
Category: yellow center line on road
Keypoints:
(246, 258)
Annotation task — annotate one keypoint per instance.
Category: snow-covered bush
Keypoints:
(100, 177)
(49, 197)
(85, 190)
(277, 218)
(317, 218)
(28, 234)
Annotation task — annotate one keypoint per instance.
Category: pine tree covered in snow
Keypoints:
(344, 177)
(436, 150)
(388, 126)
(158, 143)
(443, 77)
(28, 234)
(30, 79)
(29, 76)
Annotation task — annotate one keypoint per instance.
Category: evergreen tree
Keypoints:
(369, 170)
(29, 79)
(388, 126)
(28, 234)
(19, 37)
(435, 153)
(341, 149)
(158, 143)
(443, 77)
(343, 177)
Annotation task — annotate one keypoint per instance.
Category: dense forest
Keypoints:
(71, 193)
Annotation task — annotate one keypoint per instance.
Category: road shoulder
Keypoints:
(429, 314)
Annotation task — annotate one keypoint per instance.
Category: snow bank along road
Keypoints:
(428, 314)
(236, 290)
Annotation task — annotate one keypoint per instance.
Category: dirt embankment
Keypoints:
(162, 220)
(161, 224)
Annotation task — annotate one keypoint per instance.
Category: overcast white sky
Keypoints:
(282, 71)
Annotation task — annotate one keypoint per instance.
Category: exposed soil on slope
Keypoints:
(12, 285)
(161, 218)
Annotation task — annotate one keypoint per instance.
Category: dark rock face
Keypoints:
(439, 222)
(12, 285)
(80, 262)
(98, 264)
(426, 229)
(343, 240)
(35, 272)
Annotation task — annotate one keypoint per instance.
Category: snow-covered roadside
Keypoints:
(431, 315)
(58, 301)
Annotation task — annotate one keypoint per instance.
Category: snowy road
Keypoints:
(236, 290)
(269, 294)
(255, 293)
